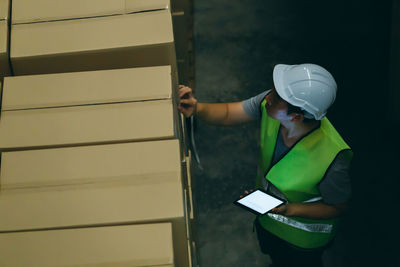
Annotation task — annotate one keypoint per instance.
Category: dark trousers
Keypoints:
(284, 254)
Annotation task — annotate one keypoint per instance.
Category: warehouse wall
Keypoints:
(236, 45)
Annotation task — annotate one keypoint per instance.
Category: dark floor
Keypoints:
(237, 43)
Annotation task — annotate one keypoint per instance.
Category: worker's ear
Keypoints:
(297, 117)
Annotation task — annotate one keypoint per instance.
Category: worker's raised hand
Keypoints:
(187, 103)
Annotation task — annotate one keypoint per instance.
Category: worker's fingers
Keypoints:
(186, 111)
(279, 210)
(187, 102)
(247, 192)
(185, 91)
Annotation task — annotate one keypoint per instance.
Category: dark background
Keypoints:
(237, 44)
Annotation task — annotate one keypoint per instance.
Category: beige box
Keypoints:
(4, 9)
(27, 11)
(86, 165)
(4, 51)
(119, 246)
(89, 87)
(81, 125)
(55, 102)
(95, 186)
(112, 41)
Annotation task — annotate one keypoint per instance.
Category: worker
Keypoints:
(303, 160)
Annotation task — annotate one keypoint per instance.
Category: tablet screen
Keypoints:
(259, 201)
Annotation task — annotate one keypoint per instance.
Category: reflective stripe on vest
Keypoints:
(309, 227)
(297, 176)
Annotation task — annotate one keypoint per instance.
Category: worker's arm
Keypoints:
(219, 113)
(313, 210)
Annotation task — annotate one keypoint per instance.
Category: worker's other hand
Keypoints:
(286, 210)
(187, 103)
(246, 193)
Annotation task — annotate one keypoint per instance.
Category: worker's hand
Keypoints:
(286, 210)
(187, 103)
(246, 193)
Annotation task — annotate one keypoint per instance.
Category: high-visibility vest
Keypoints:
(296, 176)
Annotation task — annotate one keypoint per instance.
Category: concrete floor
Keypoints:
(236, 44)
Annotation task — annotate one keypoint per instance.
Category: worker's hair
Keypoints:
(293, 109)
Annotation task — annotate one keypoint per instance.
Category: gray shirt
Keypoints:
(335, 187)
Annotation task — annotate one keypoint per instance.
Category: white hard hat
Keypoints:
(308, 86)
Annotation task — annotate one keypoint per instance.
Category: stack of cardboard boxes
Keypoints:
(95, 168)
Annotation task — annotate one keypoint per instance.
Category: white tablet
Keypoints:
(259, 202)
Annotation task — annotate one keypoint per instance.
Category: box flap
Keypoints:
(94, 124)
(4, 9)
(89, 164)
(130, 199)
(26, 11)
(132, 245)
(90, 35)
(92, 87)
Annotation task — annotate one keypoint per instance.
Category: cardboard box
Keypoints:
(132, 245)
(90, 87)
(4, 9)
(105, 42)
(4, 51)
(27, 11)
(33, 93)
(85, 165)
(82, 125)
(95, 186)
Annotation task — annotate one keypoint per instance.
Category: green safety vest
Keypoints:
(297, 176)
